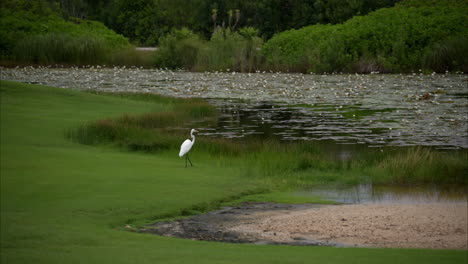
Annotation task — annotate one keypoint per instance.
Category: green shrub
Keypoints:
(228, 50)
(389, 39)
(179, 49)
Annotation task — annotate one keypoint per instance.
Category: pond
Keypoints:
(373, 110)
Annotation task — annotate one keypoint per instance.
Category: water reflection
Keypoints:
(280, 120)
(367, 193)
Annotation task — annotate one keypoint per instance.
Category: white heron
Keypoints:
(186, 146)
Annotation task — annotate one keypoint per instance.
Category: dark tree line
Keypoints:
(145, 21)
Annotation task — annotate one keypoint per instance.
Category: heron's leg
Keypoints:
(186, 161)
(189, 160)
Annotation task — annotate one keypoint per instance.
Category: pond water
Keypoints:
(367, 193)
(373, 110)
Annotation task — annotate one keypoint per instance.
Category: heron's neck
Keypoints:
(193, 137)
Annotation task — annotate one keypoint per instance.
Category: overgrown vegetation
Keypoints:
(227, 50)
(146, 21)
(179, 49)
(36, 32)
(412, 35)
(282, 163)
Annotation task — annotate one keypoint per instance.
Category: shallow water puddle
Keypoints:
(369, 194)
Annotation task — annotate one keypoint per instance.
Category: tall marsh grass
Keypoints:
(61, 48)
(423, 165)
(147, 131)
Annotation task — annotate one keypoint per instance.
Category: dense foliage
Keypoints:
(414, 34)
(215, 35)
(36, 31)
(145, 21)
(226, 50)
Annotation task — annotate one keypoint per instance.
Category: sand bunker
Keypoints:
(433, 225)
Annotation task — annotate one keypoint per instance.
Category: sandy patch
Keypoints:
(435, 225)
(425, 225)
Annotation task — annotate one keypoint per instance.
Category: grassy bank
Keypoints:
(64, 202)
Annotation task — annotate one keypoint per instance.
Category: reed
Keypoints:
(147, 131)
(423, 166)
(55, 48)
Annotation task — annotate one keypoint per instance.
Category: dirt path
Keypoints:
(434, 225)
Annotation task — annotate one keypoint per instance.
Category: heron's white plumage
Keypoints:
(185, 147)
(187, 144)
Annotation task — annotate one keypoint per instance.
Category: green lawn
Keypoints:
(62, 202)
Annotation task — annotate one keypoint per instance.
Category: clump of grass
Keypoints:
(301, 163)
(146, 132)
(422, 165)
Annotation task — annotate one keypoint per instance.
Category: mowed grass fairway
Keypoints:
(62, 202)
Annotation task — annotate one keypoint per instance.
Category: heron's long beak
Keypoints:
(195, 130)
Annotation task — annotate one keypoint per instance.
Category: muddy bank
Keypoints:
(220, 225)
(433, 225)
